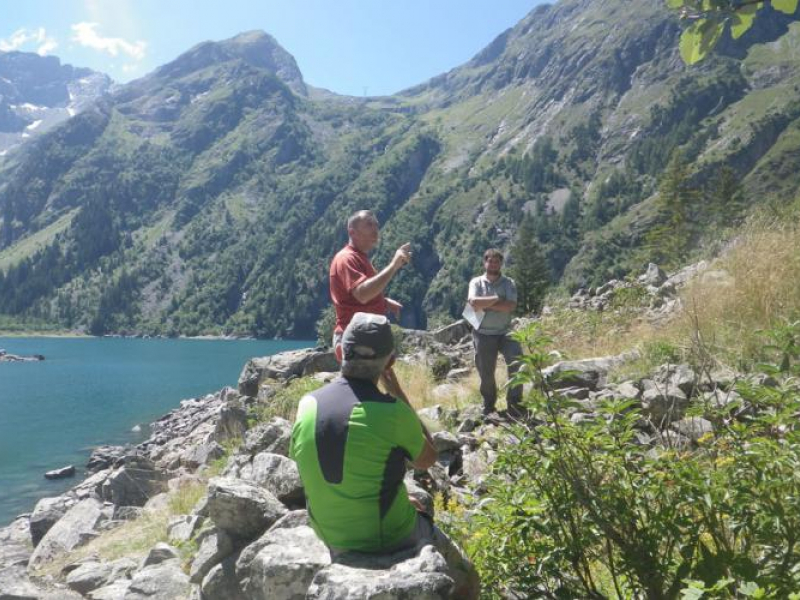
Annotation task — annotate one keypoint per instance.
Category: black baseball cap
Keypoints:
(367, 336)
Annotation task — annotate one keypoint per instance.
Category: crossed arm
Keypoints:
(493, 303)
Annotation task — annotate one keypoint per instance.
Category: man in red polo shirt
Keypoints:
(355, 286)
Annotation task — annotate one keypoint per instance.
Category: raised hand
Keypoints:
(402, 255)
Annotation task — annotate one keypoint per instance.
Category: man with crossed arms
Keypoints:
(496, 296)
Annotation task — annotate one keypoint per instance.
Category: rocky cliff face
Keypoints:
(38, 92)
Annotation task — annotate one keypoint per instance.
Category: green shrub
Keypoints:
(440, 367)
(659, 352)
(325, 325)
(399, 339)
(630, 297)
(584, 510)
(283, 403)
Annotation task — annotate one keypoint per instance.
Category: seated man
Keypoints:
(351, 443)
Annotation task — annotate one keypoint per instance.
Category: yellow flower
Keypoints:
(705, 438)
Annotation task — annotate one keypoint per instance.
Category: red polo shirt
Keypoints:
(349, 268)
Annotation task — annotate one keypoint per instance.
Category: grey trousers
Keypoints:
(487, 347)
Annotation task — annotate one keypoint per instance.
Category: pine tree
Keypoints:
(668, 241)
(529, 268)
(725, 198)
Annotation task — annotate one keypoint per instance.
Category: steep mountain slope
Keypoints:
(209, 196)
(38, 92)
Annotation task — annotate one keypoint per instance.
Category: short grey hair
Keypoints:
(365, 368)
(357, 217)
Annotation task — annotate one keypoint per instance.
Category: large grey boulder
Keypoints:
(183, 527)
(278, 474)
(133, 482)
(242, 509)
(89, 576)
(450, 334)
(285, 565)
(231, 423)
(201, 454)
(221, 582)
(273, 436)
(663, 404)
(165, 581)
(160, 553)
(283, 366)
(680, 376)
(61, 473)
(46, 513)
(693, 427)
(15, 543)
(477, 465)
(104, 457)
(588, 373)
(445, 441)
(295, 518)
(215, 546)
(653, 276)
(76, 527)
(15, 585)
(113, 591)
(395, 577)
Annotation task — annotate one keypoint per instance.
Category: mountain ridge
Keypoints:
(39, 92)
(222, 190)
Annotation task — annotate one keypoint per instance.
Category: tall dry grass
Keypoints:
(421, 387)
(134, 538)
(753, 286)
(762, 290)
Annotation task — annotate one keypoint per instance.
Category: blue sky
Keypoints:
(348, 46)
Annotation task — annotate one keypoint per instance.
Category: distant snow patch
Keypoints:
(27, 106)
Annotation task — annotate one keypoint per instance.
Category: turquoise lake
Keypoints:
(93, 391)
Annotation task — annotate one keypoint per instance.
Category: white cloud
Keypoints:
(47, 47)
(25, 37)
(86, 35)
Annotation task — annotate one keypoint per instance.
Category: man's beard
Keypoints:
(493, 272)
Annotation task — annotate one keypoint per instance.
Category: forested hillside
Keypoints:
(209, 196)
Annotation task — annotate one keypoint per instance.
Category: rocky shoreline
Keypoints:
(248, 535)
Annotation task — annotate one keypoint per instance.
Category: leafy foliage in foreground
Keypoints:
(586, 511)
(710, 18)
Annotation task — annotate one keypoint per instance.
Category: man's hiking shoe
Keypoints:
(491, 417)
(517, 413)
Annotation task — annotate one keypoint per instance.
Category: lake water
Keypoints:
(93, 391)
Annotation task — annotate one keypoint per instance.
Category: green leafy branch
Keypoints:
(709, 18)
